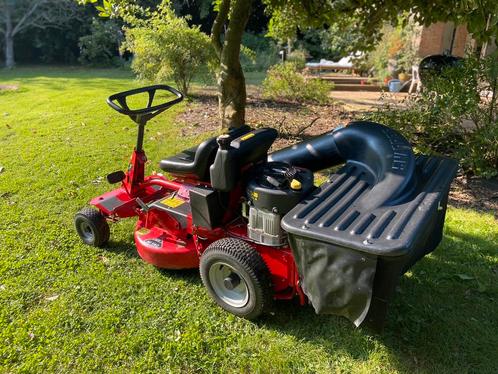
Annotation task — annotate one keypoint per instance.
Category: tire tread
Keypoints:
(98, 220)
(252, 263)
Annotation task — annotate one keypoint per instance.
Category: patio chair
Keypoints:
(416, 83)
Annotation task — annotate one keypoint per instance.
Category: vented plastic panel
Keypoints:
(337, 212)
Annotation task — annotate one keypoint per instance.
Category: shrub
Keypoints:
(258, 52)
(333, 43)
(166, 47)
(298, 58)
(437, 121)
(101, 47)
(395, 52)
(284, 81)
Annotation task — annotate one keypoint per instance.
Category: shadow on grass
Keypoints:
(442, 318)
(126, 248)
(129, 250)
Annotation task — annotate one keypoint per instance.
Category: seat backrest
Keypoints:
(243, 151)
(204, 155)
(206, 151)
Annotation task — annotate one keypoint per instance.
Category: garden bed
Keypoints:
(298, 121)
(294, 121)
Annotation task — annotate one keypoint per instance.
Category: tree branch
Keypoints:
(47, 13)
(236, 26)
(218, 24)
(26, 16)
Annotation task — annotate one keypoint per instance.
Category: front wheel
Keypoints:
(92, 227)
(236, 277)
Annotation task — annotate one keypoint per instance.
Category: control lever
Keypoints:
(291, 173)
(144, 206)
(273, 181)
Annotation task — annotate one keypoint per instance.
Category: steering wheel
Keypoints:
(119, 103)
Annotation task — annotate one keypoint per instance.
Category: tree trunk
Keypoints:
(9, 51)
(9, 40)
(231, 81)
(231, 91)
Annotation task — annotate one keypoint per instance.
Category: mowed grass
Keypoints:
(67, 307)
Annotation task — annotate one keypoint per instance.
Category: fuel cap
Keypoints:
(295, 184)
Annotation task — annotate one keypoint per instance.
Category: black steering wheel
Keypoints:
(119, 103)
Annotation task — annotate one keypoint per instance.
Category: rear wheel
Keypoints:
(92, 227)
(236, 277)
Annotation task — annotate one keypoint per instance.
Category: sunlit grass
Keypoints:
(66, 307)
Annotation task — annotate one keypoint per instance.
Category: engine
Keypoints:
(273, 190)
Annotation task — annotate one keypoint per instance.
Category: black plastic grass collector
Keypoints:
(356, 234)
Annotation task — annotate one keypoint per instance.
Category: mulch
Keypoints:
(475, 193)
(298, 121)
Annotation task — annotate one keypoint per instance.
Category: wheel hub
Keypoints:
(86, 230)
(228, 284)
(232, 281)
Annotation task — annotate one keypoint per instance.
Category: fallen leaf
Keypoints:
(52, 298)
(464, 277)
(98, 180)
(2, 287)
(1, 169)
(178, 335)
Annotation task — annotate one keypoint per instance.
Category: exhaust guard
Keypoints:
(361, 230)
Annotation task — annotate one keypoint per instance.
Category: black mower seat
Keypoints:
(195, 162)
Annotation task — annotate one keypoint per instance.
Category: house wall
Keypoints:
(436, 39)
(461, 42)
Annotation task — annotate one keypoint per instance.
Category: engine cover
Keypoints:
(278, 187)
(264, 228)
(274, 189)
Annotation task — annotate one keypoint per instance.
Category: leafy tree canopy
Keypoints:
(363, 17)
(367, 16)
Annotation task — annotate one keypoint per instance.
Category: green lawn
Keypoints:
(66, 307)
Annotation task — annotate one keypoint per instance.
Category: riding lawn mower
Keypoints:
(258, 227)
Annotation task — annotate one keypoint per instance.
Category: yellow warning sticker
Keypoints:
(172, 202)
(248, 136)
(255, 195)
(143, 231)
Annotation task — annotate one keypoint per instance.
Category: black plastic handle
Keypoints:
(118, 102)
